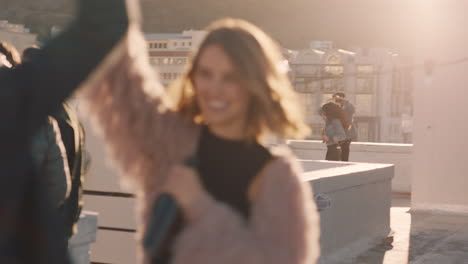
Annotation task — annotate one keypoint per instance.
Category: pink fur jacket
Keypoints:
(146, 138)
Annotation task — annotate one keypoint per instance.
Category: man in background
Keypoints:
(351, 133)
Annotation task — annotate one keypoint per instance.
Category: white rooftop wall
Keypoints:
(440, 161)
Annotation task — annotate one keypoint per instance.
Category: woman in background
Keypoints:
(243, 203)
(334, 132)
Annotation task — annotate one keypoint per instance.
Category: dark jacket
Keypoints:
(349, 110)
(50, 160)
(73, 138)
(30, 229)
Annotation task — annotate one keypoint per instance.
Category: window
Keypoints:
(363, 131)
(190, 43)
(365, 70)
(299, 84)
(309, 70)
(316, 131)
(180, 61)
(310, 107)
(364, 85)
(183, 44)
(334, 70)
(328, 85)
(312, 86)
(326, 97)
(165, 45)
(332, 85)
(307, 102)
(175, 44)
(364, 104)
(334, 58)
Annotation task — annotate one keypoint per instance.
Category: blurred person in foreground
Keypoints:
(48, 153)
(30, 227)
(243, 203)
(73, 141)
(350, 130)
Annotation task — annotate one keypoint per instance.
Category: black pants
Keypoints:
(333, 152)
(345, 150)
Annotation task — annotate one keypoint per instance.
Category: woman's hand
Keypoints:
(325, 138)
(184, 184)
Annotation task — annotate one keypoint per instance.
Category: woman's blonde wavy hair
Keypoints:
(273, 108)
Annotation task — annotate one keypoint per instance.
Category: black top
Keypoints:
(227, 167)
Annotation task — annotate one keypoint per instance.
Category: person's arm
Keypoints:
(50, 161)
(350, 110)
(56, 170)
(283, 226)
(35, 89)
(131, 109)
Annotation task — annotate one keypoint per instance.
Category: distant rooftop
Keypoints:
(18, 28)
(160, 36)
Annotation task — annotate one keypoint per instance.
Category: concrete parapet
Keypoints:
(398, 154)
(354, 201)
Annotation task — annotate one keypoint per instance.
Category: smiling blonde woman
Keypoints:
(244, 203)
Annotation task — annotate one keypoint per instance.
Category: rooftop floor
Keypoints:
(420, 238)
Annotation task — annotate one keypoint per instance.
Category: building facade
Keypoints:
(17, 35)
(169, 53)
(376, 81)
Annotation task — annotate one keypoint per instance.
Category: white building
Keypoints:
(17, 35)
(376, 81)
(169, 52)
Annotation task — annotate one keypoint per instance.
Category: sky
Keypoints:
(349, 23)
(408, 27)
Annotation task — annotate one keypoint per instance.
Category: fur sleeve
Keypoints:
(283, 228)
(130, 108)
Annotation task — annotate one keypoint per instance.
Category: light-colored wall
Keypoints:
(117, 245)
(398, 154)
(440, 160)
